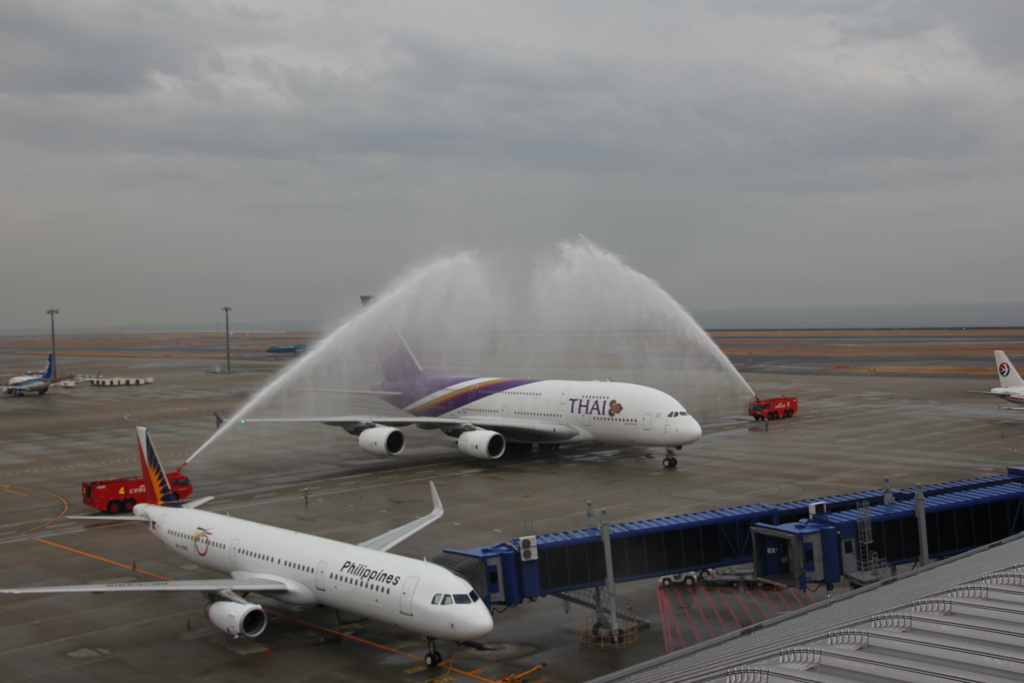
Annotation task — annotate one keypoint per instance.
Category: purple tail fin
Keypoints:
(220, 420)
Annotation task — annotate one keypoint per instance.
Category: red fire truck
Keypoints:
(772, 408)
(115, 495)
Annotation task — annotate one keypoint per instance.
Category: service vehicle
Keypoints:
(720, 576)
(772, 408)
(121, 494)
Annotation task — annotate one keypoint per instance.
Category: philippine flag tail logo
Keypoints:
(158, 489)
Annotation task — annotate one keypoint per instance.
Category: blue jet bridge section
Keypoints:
(786, 543)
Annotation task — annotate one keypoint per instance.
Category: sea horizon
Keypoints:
(907, 316)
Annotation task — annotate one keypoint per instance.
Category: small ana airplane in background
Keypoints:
(1011, 386)
(32, 384)
(300, 569)
(484, 414)
(294, 349)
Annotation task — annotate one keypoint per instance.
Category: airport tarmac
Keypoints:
(854, 427)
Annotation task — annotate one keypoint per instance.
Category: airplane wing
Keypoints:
(392, 538)
(210, 586)
(1009, 408)
(524, 430)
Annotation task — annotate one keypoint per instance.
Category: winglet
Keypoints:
(438, 508)
(158, 489)
(392, 538)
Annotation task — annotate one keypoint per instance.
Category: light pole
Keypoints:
(53, 340)
(227, 336)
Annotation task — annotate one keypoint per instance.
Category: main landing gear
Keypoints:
(433, 658)
(670, 459)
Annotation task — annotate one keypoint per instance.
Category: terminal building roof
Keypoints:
(961, 619)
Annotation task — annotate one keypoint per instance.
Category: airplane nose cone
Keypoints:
(479, 624)
(691, 430)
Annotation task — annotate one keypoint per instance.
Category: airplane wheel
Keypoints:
(432, 659)
(669, 461)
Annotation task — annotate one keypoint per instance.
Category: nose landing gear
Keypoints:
(670, 459)
(433, 658)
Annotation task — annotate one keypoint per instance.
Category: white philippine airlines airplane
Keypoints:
(1011, 386)
(300, 569)
(29, 384)
(486, 413)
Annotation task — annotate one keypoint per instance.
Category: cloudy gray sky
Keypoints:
(163, 158)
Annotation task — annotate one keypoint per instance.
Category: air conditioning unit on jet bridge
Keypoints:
(528, 548)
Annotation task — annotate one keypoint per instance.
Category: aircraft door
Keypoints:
(504, 412)
(233, 553)
(565, 396)
(647, 421)
(408, 588)
(321, 572)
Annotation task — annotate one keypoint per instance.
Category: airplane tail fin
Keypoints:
(396, 359)
(48, 372)
(158, 489)
(1008, 375)
(220, 420)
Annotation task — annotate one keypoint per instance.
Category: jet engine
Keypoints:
(482, 443)
(236, 618)
(382, 440)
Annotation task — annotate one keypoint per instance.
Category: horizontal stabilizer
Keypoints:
(211, 586)
(386, 541)
(196, 502)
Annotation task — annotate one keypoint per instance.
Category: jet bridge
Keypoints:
(787, 544)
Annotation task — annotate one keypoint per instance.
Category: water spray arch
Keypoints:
(576, 312)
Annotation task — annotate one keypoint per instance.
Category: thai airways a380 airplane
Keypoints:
(365, 580)
(486, 413)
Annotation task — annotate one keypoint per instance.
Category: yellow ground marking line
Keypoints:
(470, 674)
(97, 557)
(62, 500)
(8, 489)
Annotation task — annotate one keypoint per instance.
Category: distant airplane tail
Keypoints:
(1008, 375)
(396, 359)
(158, 489)
(220, 420)
(48, 372)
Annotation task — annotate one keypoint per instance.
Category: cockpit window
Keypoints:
(677, 413)
(447, 600)
(474, 596)
(436, 600)
(462, 600)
